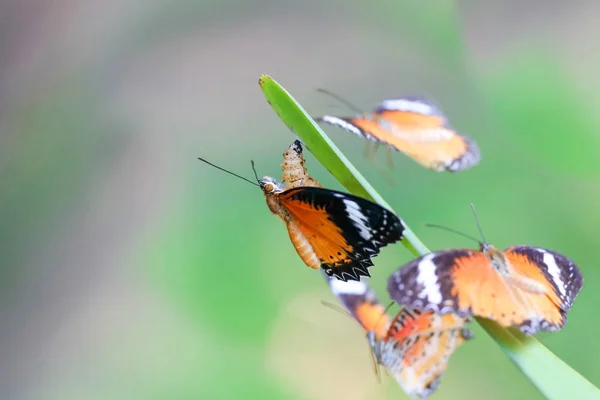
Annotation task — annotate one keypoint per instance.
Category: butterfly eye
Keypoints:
(269, 187)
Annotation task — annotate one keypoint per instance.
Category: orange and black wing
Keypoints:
(559, 276)
(429, 283)
(340, 231)
(361, 301)
(421, 126)
(417, 128)
(464, 282)
(419, 346)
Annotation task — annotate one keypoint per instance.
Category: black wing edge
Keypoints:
(349, 272)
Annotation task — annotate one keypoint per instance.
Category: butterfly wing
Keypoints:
(360, 300)
(560, 277)
(419, 124)
(428, 283)
(340, 231)
(418, 129)
(464, 282)
(419, 346)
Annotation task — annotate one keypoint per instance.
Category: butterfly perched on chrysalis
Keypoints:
(414, 346)
(528, 287)
(331, 230)
(335, 231)
(415, 127)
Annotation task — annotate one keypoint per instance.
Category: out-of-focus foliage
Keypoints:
(132, 271)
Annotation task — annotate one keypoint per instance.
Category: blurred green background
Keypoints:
(132, 271)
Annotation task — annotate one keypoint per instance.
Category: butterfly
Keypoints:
(414, 347)
(330, 230)
(335, 231)
(531, 288)
(417, 128)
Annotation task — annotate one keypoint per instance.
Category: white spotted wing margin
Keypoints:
(417, 349)
(365, 226)
(425, 283)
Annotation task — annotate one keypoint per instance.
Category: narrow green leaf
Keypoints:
(550, 375)
(553, 378)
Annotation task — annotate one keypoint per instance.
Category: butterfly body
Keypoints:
(417, 128)
(527, 287)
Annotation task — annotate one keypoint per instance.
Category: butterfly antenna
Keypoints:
(335, 308)
(254, 169)
(229, 172)
(341, 100)
(478, 224)
(388, 308)
(453, 231)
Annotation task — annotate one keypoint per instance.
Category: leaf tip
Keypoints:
(263, 79)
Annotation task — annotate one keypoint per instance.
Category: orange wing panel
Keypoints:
(373, 318)
(412, 121)
(482, 290)
(325, 238)
(433, 147)
(545, 306)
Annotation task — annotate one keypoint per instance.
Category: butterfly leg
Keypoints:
(370, 149)
(370, 153)
(376, 366)
(389, 157)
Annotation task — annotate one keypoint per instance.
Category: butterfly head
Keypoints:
(270, 186)
(495, 256)
(487, 248)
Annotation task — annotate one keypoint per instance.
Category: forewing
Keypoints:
(344, 231)
(429, 283)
